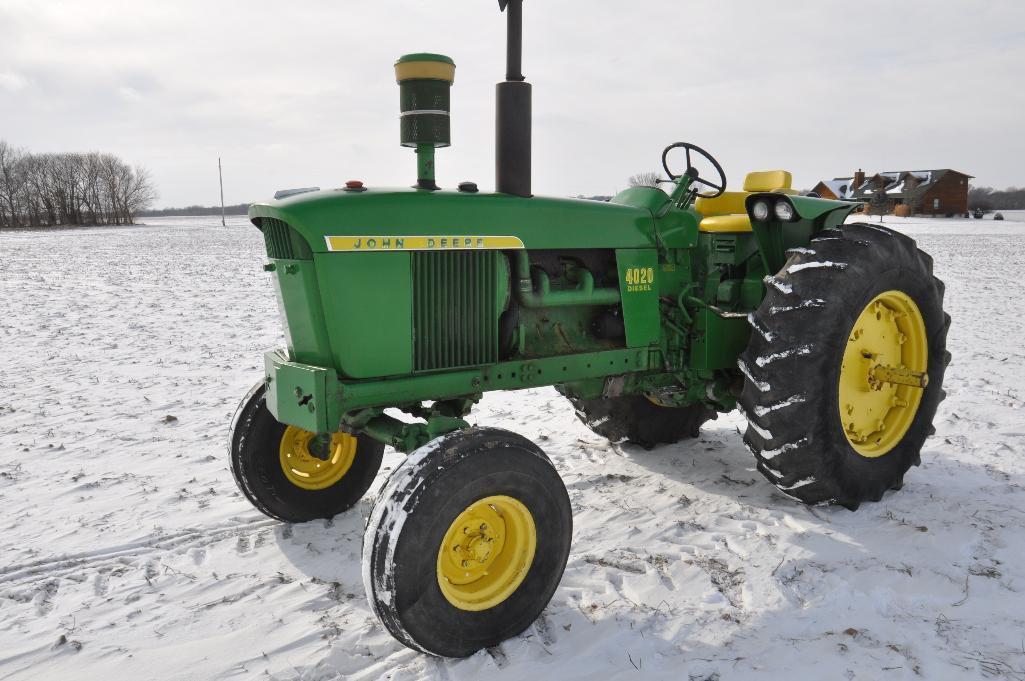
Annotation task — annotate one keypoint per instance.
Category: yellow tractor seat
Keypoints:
(728, 213)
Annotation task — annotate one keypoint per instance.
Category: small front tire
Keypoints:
(292, 475)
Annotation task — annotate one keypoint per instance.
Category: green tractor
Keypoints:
(651, 313)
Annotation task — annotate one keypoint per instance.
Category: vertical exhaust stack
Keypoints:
(513, 111)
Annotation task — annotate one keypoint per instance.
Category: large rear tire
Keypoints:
(639, 420)
(841, 325)
(292, 475)
(467, 542)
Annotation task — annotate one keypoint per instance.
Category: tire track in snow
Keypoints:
(23, 574)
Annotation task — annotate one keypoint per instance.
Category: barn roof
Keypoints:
(896, 184)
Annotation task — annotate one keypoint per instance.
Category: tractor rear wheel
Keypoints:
(292, 474)
(641, 420)
(467, 542)
(844, 370)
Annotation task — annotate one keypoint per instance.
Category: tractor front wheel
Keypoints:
(467, 542)
(844, 369)
(292, 474)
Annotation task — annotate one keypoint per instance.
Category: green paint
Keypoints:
(302, 309)
(424, 56)
(534, 288)
(621, 297)
(302, 395)
(718, 339)
(539, 222)
(368, 307)
(638, 283)
(425, 164)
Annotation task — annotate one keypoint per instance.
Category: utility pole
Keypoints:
(220, 174)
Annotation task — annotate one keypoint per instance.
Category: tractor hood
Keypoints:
(372, 219)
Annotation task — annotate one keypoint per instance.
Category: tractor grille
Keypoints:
(455, 316)
(278, 239)
(283, 242)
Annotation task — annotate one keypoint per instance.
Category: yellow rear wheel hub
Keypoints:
(883, 373)
(486, 553)
(315, 462)
(657, 402)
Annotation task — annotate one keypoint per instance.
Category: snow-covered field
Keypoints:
(127, 552)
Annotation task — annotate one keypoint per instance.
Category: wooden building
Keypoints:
(904, 192)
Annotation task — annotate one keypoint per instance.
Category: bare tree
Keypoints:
(648, 179)
(987, 198)
(879, 203)
(12, 181)
(140, 194)
(70, 189)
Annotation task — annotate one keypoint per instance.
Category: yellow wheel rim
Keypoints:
(486, 553)
(657, 402)
(883, 373)
(315, 462)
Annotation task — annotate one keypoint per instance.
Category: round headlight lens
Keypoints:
(760, 211)
(784, 211)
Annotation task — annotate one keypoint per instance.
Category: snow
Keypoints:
(764, 433)
(1010, 226)
(841, 188)
(829, 264)
(780, 286)
(922, 178)
(128, 553)
(795, 399)
(799, 483)
(810, 302)
(392, 513)
(764, 333)
(762, 386)
(769, 454)
(783, 354)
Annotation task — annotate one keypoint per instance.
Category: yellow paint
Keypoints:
(640, 279)
(729, 203)
(728, 212)
(887, 352)
(307, 471)
(431, 70)
(768, 181)
(486, 553)
(726, 223)
(421, 243)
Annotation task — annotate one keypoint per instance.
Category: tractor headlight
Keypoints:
(784, 211)
(760, 211)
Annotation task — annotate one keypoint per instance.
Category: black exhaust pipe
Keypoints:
(513, 111)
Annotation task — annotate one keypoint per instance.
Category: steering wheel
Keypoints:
(693, 172)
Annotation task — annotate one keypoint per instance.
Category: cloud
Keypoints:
(12, 81)
(305, 95)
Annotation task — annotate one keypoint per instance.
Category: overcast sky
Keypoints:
(303, 93)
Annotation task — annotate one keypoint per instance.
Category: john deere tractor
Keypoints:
(651, 313)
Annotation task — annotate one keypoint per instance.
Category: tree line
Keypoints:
(987, 198)
(52, 189)
(237, 209)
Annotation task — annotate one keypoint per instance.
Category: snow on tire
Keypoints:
(254, 454)
(414, 529)
(639, 420)
(793, 365)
